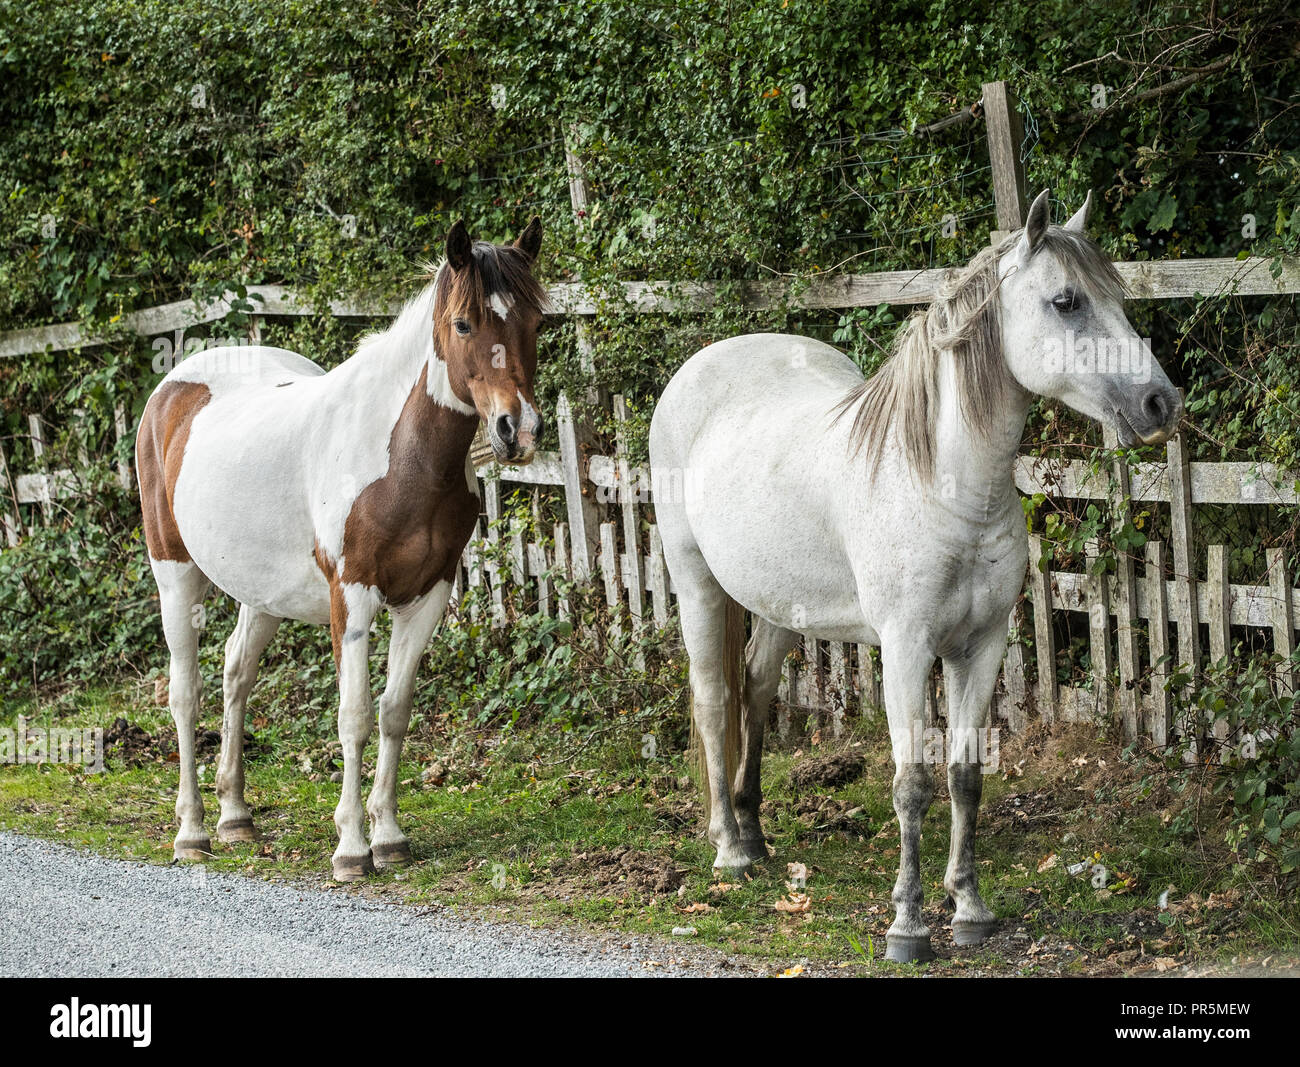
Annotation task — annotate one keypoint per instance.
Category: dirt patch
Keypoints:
(1039, 809)
(134, 745)
(679, 812)
(829, 772)
(824, 815)
(130, 743)
(617, 870)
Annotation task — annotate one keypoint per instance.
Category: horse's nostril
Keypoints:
(506, 428)
(1155, 405)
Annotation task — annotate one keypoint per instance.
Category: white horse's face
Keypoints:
(1065, 335)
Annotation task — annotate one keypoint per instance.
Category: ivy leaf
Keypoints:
(1163, 216)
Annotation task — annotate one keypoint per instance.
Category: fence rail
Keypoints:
(1134, 619)
(1146, 280)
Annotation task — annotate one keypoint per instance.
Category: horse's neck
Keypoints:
(431, 437)
(974, 472)
(388, 387)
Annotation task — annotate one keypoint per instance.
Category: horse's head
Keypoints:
(486, 313)
(1065, 335)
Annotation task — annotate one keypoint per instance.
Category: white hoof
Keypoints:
(735, 858)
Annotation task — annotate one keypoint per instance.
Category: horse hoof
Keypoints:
(236, 830)
(352, 868)
(192, 848)
(755, 848)
(394, 854)
(972, 933)
(908, 949)
(739, 858)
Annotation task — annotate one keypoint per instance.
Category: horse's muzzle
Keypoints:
(512, 443)
(1154, 421)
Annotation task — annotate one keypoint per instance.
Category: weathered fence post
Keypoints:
(1125, 605)
(574, 432)
(1006, 134)
(1040, 593)
(1186, 608)
(1282, 617)
(1158, 715)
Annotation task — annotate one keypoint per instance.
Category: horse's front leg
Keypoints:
(970, 681)
(413, 625)
(907, 666)
(352, 610)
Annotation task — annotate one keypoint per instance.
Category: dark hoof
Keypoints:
(908, 949)
(391, 855)
(756, 848)
(192, 848)
(353, 868)
(236, 830)
(966, 934)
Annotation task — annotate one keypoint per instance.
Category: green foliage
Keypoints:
(156, 151)
(1254, 721)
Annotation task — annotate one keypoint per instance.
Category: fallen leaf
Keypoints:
(794, 903)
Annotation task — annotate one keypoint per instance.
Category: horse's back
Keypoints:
(229, 367)
(747, 443)
(752, 375)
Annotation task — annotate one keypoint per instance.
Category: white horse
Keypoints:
(326, 497)
(884, 512)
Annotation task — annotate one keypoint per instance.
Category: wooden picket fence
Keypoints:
(1146, 611)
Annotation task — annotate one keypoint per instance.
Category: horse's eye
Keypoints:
(462, 327)
(1066, 301)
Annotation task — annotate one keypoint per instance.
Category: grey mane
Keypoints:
(963, 317)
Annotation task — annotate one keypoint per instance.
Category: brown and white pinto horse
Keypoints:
(328, 496)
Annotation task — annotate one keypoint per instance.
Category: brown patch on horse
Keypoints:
(159, 452)
(407, 530)
(338, 608)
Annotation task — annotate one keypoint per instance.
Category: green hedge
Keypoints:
(157, 150)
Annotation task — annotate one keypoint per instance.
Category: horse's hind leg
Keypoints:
(906, 668)
(767, 650)
(704, 609)
(252, 633)
(970, 682)
(181, 589)
(413, 625)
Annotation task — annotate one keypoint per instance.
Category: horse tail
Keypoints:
(733, 675)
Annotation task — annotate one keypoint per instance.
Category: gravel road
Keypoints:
(64, 913)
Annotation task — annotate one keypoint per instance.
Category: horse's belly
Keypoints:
(268, 565)
(242, 513)
(785, 572)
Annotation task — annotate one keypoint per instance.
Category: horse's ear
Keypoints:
(1079, 220)
(530, 241)
(459, 247)
(1036, 223)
